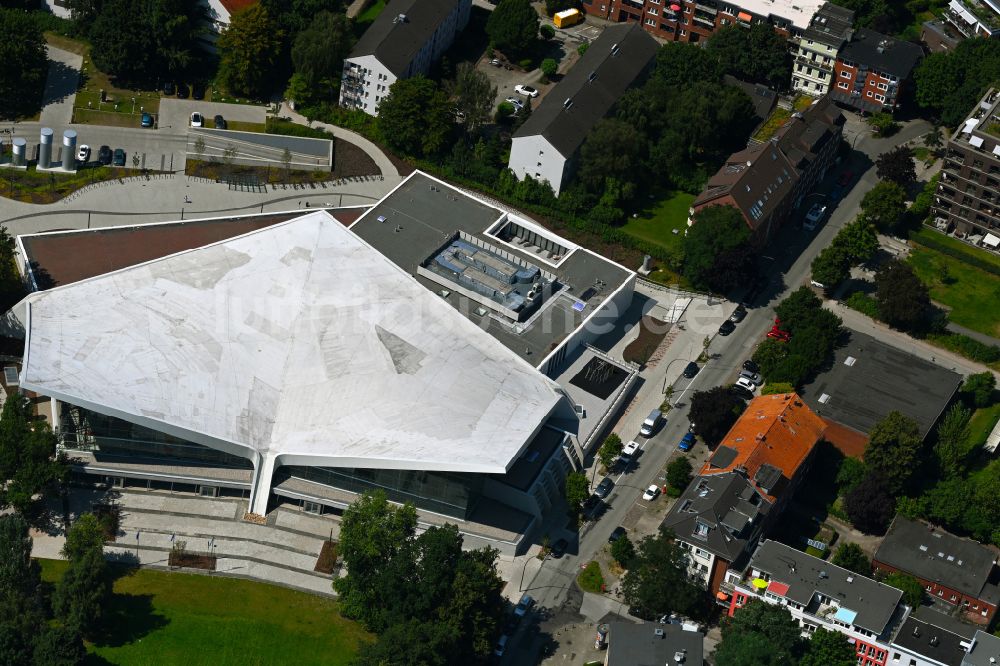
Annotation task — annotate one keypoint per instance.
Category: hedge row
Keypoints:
(967, 347)
(931, 241)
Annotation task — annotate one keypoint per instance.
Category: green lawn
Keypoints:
(981, 424)
(956, 245)
(166, 618)
(972, 294)
(657, 223)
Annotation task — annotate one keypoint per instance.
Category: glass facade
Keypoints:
(449, 493)
(83, 430)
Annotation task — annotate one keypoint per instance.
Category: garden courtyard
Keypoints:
(164, 618)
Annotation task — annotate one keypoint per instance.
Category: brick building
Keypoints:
(872, 70)
(696, 20)
(957, 571)
(766, 181)
(967, 201)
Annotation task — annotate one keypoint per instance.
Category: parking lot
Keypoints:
(175, 114)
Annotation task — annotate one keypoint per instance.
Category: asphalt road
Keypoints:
(787, 267)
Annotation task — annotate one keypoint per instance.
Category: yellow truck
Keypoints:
(567, 18)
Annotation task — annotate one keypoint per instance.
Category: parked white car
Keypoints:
(743, 382)
(651, 493)
(814, 216)
(527, 91)
(197, 120)
(628, 453)
(83, 155)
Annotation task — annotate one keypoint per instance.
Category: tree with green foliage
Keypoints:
(577, 490)
(831, 266)
(713, 413)
(513, 26)
(549, 67)
(85, 535)
(913, 589)
(678, 475)
(657, 583)
(858, 240)
(758, 54)
(249, 52)
(22, 78)
(748, 649)
(979, 388)
(797, 310)
(59, 645)
(828, 648)
(120, 39)
(717, 252)
(610, 449)
(21, 610)
(897, 166)
(850, 473)
(871, 504)
(623, 550)
(951, 446)
(83, 592)
(613, 149)
(884, 206)
(473, 95)
(946, 502)
(772, 622)
(883, 124)
(895, 449)
(546, 31)
(851, 557)
(903, 300)
(950, 83)
(415, 119)
(882, 15)
(318, 52)
(28, 459)
(372, 533)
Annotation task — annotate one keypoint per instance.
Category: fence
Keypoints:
(678, 291)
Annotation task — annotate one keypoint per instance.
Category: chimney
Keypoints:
(679, 657)
(934, 641)
(916, 631)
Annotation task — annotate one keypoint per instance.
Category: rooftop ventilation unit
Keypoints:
(659, 633)
(825, 398)
(680, 656)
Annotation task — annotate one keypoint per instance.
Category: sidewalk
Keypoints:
(384, 164)
(60, 89)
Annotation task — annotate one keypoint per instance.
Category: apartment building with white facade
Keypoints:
(817, 49)
(401, 43)
(545, 146)
(819, 594)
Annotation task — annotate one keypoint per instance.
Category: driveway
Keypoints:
(175, 114)
(60, 88)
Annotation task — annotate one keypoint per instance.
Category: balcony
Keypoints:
(708, 21)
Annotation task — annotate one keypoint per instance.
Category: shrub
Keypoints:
(524, 63)
(771, 388)
(504, 111)
(979, 388)
(549, 67)
(582, 48)
(623, 550)
(547, 31)
(884, 124)
(967, 347)
(863, 303)
(591, 579)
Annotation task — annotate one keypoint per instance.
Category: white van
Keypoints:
(651, 423)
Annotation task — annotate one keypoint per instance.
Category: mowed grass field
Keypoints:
(658, 222)
(162, 618)
(972, 294)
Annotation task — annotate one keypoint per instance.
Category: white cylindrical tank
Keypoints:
(20, 151)
(45, 148)
(69, 150)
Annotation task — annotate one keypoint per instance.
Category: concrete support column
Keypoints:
(69, 150)
(261, 491)
(20, 147)
(45, 148)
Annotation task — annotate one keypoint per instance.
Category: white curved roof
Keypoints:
(297, 340)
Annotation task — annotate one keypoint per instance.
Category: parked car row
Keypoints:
(105, 156)
(513, 620)
(198, 120)
(748, 381)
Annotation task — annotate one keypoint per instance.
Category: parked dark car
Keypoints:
(750, 366)
(559, 548)
(739, 314)
(727, 327)
(198, 91)
(104, 155)
(169, 88)
(183, 91)
(604, 487)
(618, 533)
(220, 122)
(119, 158)
(147, 119)
(691, 369)
(746, 394)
